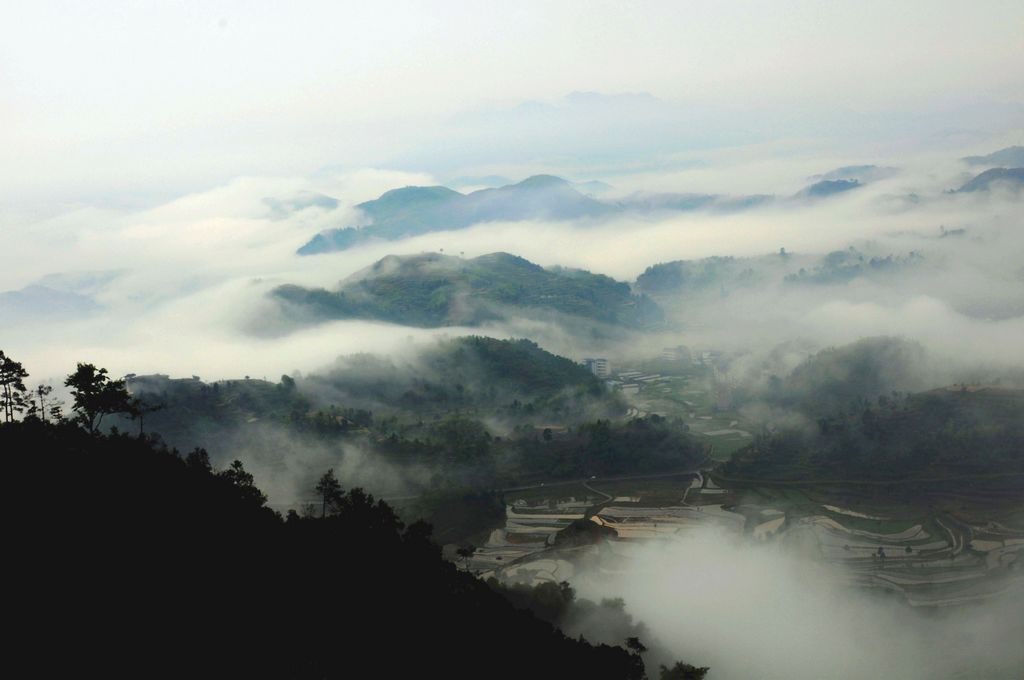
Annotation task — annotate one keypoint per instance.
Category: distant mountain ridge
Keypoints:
(38, 301)
(415, 210)
(1012, 177)
(411, 211)
(689, 202)
(1010, 157)
(861, 173)
(280, 208)
(830, 187)
(433, 290)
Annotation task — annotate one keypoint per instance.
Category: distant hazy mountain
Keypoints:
(411, 211)
(476, 182)
(59, 295)
(683, 202)
(36, 301)
(433, 290)
(1012, 177)
(860, 173)
(283, 207)
(1010, 157)
(829, 187)
(594, 187)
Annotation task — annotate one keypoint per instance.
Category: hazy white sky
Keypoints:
(114, 101)
(143, 138)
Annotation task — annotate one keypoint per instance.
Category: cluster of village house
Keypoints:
(630, 381)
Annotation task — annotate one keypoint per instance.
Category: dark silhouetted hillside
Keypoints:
(127, 560)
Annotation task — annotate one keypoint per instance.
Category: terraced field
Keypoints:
(926, 554)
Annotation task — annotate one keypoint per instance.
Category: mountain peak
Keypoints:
(1011, 156)
(414, 193)
(542, 182)
(1010, 177)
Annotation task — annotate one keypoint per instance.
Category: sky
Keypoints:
(143, 139)
(140, 143)
(132, 103)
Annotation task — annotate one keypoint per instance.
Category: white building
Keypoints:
(678, 353)
(597, 365)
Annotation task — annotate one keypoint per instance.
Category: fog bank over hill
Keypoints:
(794, 619)
(711, 312)
(231, 90)
(198, 270)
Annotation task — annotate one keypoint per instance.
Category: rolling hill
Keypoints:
(433, 290)
(1010, 157)
(1010, 177)
(860, 173)
(478, 374)
(829, 187)
(952, 431)
(411, 211)
(415, 210)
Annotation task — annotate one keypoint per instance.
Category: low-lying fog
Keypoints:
(759, 611)
(179, 288)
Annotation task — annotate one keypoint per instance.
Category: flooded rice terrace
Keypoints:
(904, 591)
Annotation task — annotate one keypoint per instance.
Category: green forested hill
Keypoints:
(433, 290)
(514, 380)
(688, 276)
(472, 372)
(835, 377)
(941, 433)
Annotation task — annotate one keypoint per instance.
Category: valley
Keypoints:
(917, 553)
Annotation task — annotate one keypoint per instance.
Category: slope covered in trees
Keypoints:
(690, 276)
(449, 425)
(132, 560)
(513, 381)
(433, 290)
(472, 374)
(843, 266)
(838, 377)
(860, 412)
(941, 433)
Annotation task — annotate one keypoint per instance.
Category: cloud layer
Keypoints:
(760, 611)
(181, 286)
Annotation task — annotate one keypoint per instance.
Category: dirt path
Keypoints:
(607, 497)
(864, 482)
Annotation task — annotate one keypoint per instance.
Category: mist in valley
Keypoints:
(199, 269)
(774, 241)
(706, 594)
